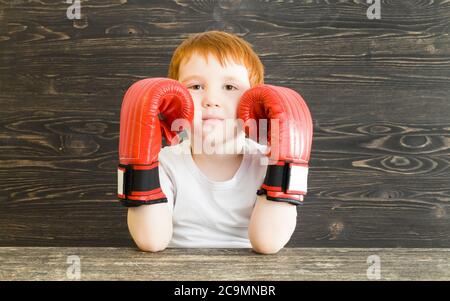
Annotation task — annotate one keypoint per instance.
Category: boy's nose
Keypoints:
(210, 105)
(210, 101)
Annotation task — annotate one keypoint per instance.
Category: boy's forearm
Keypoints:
(150, 226)
(271, 225)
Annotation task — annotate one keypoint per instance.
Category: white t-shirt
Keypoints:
(210, 214)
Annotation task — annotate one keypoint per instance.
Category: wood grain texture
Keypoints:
(378, 91)
(223, 264)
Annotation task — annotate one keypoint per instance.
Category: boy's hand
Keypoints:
(141, 130)
(289, 135)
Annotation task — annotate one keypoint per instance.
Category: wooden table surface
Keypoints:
(56, 263)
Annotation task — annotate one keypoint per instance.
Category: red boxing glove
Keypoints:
(289, 135)
(148, 110)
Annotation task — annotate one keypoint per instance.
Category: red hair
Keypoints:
(223, 46)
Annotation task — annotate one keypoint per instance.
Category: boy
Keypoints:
(211, 199)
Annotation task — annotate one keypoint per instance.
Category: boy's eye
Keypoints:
(230, 87)
(195, 87)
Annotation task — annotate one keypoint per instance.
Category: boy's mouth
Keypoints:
(206, 117)
(212, 121)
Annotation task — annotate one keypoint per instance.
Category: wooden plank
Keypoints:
(300, 43)
(378, 91)
(224, 264)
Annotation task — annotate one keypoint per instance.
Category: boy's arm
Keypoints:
(290, 137)
(150, 226)
(148, 109)
(271, 225)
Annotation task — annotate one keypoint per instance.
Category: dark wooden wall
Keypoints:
(378, 91)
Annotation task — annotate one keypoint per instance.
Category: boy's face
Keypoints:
(216, 92)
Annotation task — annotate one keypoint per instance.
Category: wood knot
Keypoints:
(415, 141)
(336, 230)
(439, 212)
